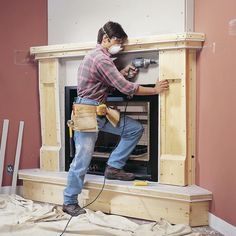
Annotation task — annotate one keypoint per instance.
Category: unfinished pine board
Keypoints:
(173, 143)
(191, 115)
(48, 192)
(156, 42)
(3, 147)
(178, 105)
(50, 114)
(17, 157)
(199, 213)
(150, 208)
(188, 205)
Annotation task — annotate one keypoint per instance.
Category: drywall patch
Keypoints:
(211, 47)
(232, 27)
(22, 57)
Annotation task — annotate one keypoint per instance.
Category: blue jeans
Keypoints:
(84, 145)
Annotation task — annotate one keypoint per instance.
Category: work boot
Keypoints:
(73, 209)
(113, 173)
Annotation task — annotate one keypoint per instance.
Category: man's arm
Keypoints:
(160, 86)
(114, 78)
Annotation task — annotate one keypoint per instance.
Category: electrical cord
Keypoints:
(104, 179)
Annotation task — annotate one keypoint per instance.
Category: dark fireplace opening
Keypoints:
(143, 161)
(109, 143)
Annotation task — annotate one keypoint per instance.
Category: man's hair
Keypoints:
(111, 29)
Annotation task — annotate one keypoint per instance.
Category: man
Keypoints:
(97, 76)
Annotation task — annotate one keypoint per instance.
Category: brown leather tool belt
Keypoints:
(84, 117)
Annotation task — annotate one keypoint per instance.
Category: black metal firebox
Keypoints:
(143, 161)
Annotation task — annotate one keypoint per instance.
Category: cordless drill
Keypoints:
(140, 63)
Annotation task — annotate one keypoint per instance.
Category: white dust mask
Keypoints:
(114, 49)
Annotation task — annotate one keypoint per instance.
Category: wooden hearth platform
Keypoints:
(187, 205)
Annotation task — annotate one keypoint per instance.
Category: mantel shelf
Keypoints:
(159, 42)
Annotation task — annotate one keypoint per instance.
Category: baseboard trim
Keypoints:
(7, 190)
(221, 226)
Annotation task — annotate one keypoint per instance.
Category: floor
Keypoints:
(9, 204)
(203, 231)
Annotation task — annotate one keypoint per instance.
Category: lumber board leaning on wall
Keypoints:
(3, 148)
(17, 157)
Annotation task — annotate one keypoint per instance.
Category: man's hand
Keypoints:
(161, 86)
(129, 70)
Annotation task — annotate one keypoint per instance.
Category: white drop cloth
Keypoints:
(21, 217)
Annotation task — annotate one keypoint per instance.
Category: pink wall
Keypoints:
(216, 104)
(22, 24)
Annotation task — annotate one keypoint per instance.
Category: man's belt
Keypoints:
(84, 117)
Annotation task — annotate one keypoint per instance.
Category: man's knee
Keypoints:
(141, 128)
(138, 128)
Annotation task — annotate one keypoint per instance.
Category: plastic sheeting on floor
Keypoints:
(19, 216)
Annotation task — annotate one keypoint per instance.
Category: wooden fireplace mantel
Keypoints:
(177, 63)
(158, 42)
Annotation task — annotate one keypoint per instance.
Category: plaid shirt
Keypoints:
(97, 76)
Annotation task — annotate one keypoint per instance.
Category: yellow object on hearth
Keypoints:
(140, 183)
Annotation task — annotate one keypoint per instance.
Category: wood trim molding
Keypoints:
(159, 42)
